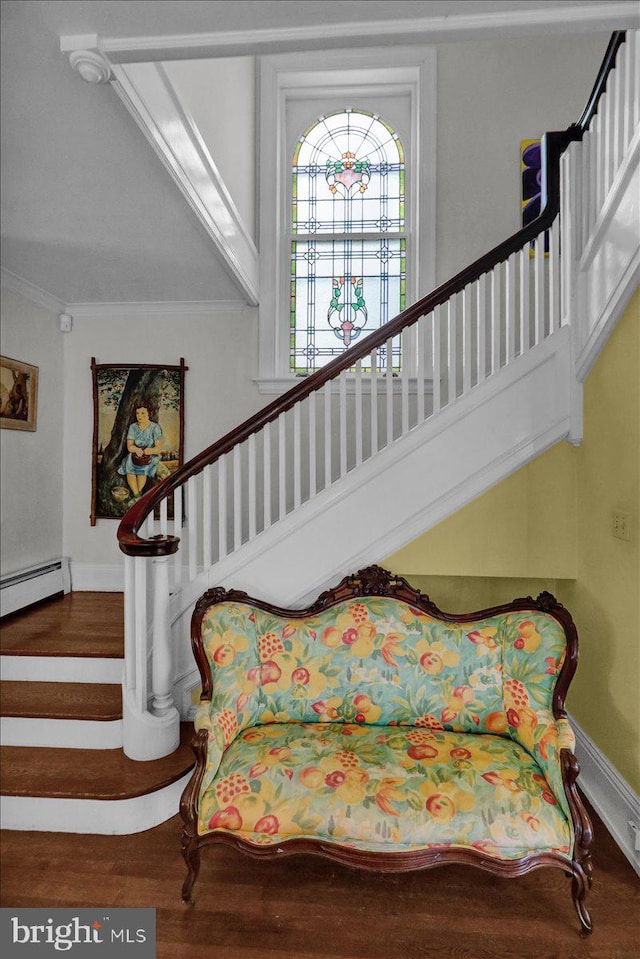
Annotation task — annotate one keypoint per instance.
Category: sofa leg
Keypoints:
(580, 885)
(191, 853)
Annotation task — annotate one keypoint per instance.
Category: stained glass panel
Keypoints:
(348, 251)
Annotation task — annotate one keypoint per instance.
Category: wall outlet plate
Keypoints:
(620, 524)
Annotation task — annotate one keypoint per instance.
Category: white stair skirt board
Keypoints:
(62, 669)
(610, 795)
(102, 817)
(61, 733)
(31, 585)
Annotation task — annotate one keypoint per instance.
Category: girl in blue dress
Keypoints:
(143, 451)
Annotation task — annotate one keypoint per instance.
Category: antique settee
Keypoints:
(378, 731)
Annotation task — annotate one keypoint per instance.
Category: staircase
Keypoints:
(365, 454)
(88, 785)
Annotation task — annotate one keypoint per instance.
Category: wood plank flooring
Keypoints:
(90, 773)
(308, 908)
(78, 624)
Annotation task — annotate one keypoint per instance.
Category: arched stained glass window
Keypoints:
(348, 248)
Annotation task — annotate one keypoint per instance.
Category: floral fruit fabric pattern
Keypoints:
(376, 787)
(308, 727)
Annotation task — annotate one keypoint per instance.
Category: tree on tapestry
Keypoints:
(138, 433)
(348, 246)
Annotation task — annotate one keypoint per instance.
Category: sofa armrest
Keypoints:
(221, 728)
(549, 741)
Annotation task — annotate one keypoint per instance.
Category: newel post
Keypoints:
(151, 722)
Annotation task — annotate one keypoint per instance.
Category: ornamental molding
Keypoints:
(91, 66)
(463, 26)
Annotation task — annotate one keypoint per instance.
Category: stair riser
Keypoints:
(63, 733)
(61, 669)
(104, 817)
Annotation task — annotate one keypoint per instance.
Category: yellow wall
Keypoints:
(605, 597)
(548, 526)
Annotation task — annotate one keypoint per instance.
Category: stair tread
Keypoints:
(90, 773)
(87, 624)
(82, 701)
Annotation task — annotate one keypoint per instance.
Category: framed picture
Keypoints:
(531, 185)
(18, 395)
(138, 432)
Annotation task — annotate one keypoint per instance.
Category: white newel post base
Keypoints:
(146, 736)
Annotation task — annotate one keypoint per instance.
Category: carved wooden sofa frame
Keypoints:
(362, 588)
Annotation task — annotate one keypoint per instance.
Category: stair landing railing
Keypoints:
(491, 313)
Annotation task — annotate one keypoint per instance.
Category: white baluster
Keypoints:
(161, 665)
(282, 466)
(585, 173)
(593, 177)
(374, 402)
(251, 470)
(600, 127)
(164, 517)
(437, 382)
(297, 458)
(626, 65)
(617, 93)
(634, 53)
(343, 422)
(554, 276)
(140, 605)
(358, 411)
(452, 348)
(237, 496)
(406, 340)
(496, 316)
(538, 280)
(524, 264)
(481, 327)
(222, 507)
(421, 370)
(177, 531)
(327, 434)
(609, 109)
(510, 315)
(312, 444)
(389, 380)
(266, 475)
(466, 339)
(193, 526)
(207, 522)
(129, 623)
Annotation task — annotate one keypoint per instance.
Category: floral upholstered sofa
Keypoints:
(373, 729)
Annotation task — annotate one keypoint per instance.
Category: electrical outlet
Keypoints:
(620, 524)
(636, 834)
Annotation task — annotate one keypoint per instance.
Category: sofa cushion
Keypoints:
(381, 788)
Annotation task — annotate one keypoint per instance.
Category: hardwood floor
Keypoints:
(309, 908)
(78, 624)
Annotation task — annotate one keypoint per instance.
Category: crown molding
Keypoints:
(133, 310)
(35, 294)
(464, 26)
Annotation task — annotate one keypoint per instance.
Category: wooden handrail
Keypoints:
(553, 146)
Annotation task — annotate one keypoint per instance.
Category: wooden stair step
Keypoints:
(90, 773)
(82, 701)
(79, 624)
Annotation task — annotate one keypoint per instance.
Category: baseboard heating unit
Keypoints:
(27, 586)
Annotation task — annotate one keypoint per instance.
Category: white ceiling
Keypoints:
(89, 213)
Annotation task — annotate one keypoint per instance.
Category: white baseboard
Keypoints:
(27, 586)
(96, 577)
(62, 669)
(102, 817)
(61, 733)
(610, 795)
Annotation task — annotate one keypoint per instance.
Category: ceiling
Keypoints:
(89, 213)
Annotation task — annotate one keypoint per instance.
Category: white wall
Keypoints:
(220, 97)
(31, 463)
(220, 351)
(491, 95)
